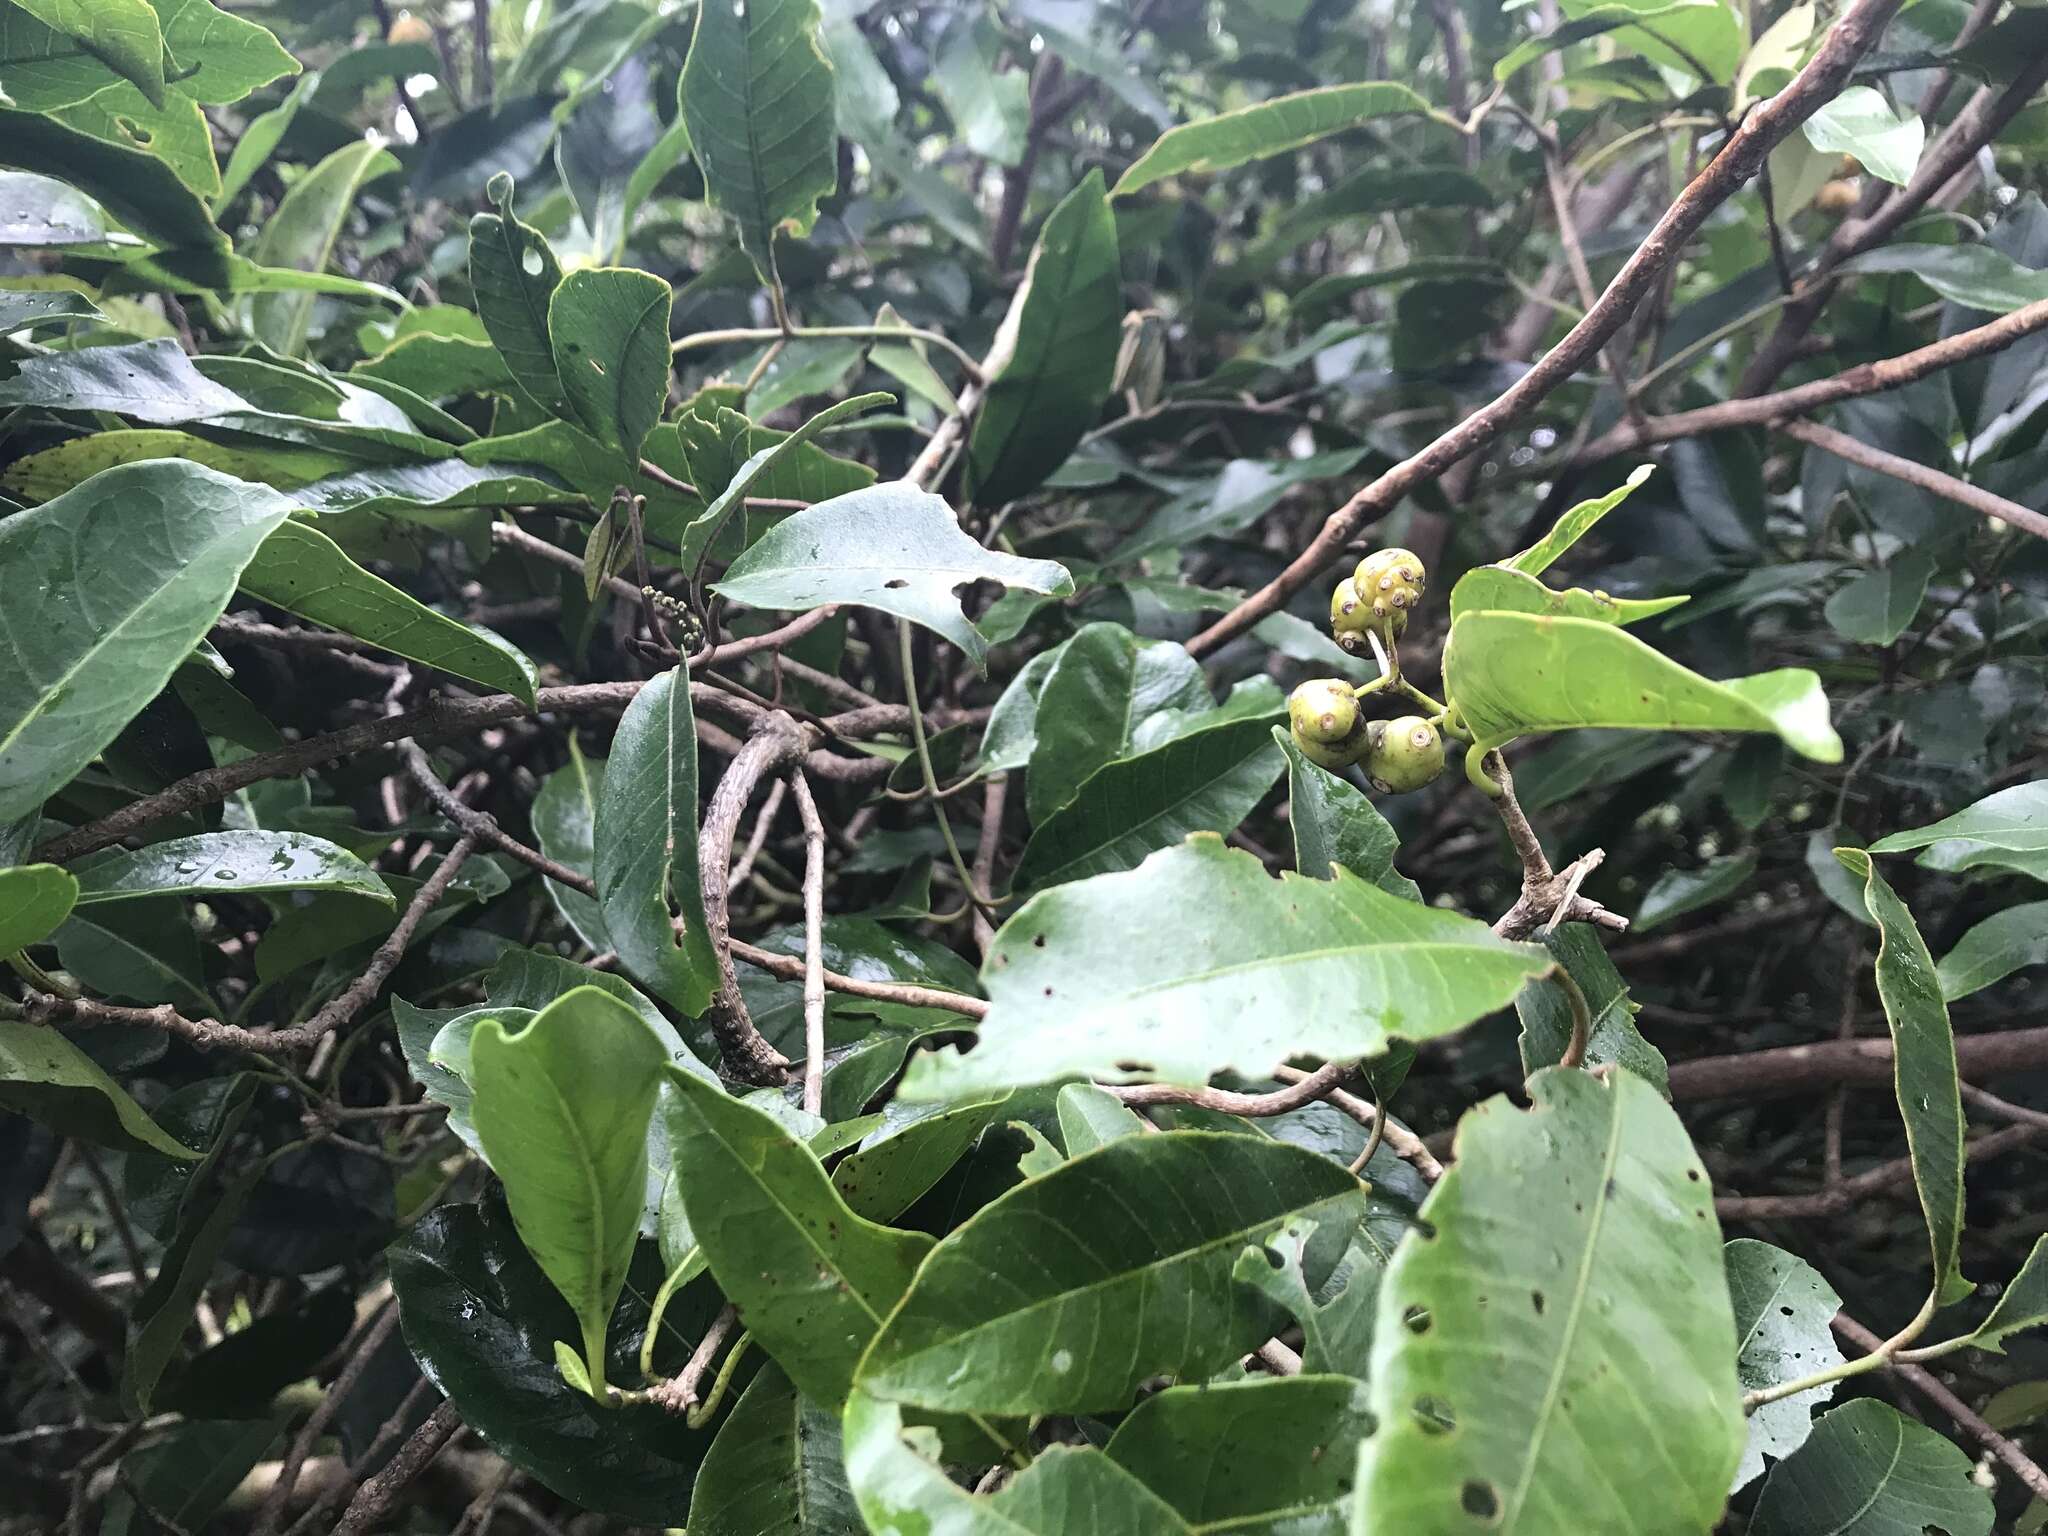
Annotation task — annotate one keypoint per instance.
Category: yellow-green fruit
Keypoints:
(1408, 755)
(1349, 618)
(1323, 716)
(1389, 582)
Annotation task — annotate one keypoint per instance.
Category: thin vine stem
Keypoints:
(906, 654)
(1877, 1359)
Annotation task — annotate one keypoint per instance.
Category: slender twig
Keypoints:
(1948, 487)
(1223, 1101)
(514, 537)
(763, 819)
(1818, 82)
(995, 794)
(1549, 897)
(790, 968)
(679, 1393)
(907, 659)
(380, 1492)
(1406, 1144)
(814, 942)
(1896, 1175)
(480, 824)
(372, 1456)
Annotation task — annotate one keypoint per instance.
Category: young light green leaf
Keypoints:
(34, 901)
(774, 1469)
(562, 1109)
(1136, 1242)
(215, 58)
(1571, 1300)
(1066, 1491)
(1991, 951)
(644, 848)
(303, 571)
(813, 1279)
(1092, 1117)
(1782, 1311)
(160, 546)
(608, 327)
(1270, 1454)
(1055, 355)
(1198, 962)
(1923, 1068)
(1334, 823)
(514, 275)
(1266, 128)
(1974, 276)
(2009, 827)
(565, 826)
(757, 96)
(300, 235)
(1861, 122)
(1877, 607)
(1504, 589)
(226, 863)
(1207, 781)
(1575, 524)
(892, 547)
(124, 35)
(1869, 1471)
(51, 1081)
(1512, 674)
(1677, 892)
(1103, 683)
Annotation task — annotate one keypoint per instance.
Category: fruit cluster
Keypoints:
(1372, 604)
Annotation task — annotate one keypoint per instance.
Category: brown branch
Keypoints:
(1253, 1106)
(1895, 1175)
(1671, 946)
(994, 796)
(481, 825)
(790, 968)
(774, 639)
(679, 1393)
(380, 1492)
(1739, 159)
(777, 744)
(1795, 1069)
(1406, 1144)
(1929, 1386)
(514, 537)
(814, 943)
(271, 1514)
(763, 819)
(1948, 487)
(1549, 897)
(213, 1035)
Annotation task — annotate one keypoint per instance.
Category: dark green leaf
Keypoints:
(2003, 943)
(1868, 1471)
(1104, 683)
(226, 863)
(1335, 824)
(1231, 139)
(1679, 891)
(1782, 1311)
(565, 827)
(609, 330)
(775, 1469)
(160, 547)
(47, 1078)
(1878, 606)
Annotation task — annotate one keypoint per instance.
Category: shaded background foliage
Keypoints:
(354, 261)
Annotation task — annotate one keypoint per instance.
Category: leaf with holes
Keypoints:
(892, 547)
(1869, 1471)
(609, 331)
(1782, 1311)
(1571, 1300)
(514, 275)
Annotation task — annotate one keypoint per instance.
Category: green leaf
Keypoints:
(260, 139)
(159, 546)
(136, 188)
(1092, 1117)
(1991, 951)
(813, 1279)
(1870, 1471)
(147, 381)
(45, 68)
(2009, 828)
(34, 901)
(1197, 962)
(762, 462)
(565, 826)
(215, 58)
(305, 572)
(140, 952)
(1511, 674)
(124, 35)
(1782, 1312)
(1267, 128)
(50, 1080)
(1546, 1014)
(1336, 1333)
(1702, 36)
(1974, 276)
(227, 863)
(990, 106)
(1878, 606)
(756, 95)
(1335, 824)
(483, 1321)
(1055, 357)
(644, 847)
(301, 234)
(1267, 1455)
(513, 274)
(1066, 1491)
(1571, 1301)
(562, 1109)
(608, 327)
(2022, 1305)
(1923, 1068)
(1208, 781)
(775, 1469)
(1575, 524)
(1677, 892)
(1133, 1242)
(1103, 683)
(898, 1162)
(1503, 589)
(1244, 491)
(891, 547)
(1861, 122)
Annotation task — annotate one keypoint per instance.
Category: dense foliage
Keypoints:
(1003, 766)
